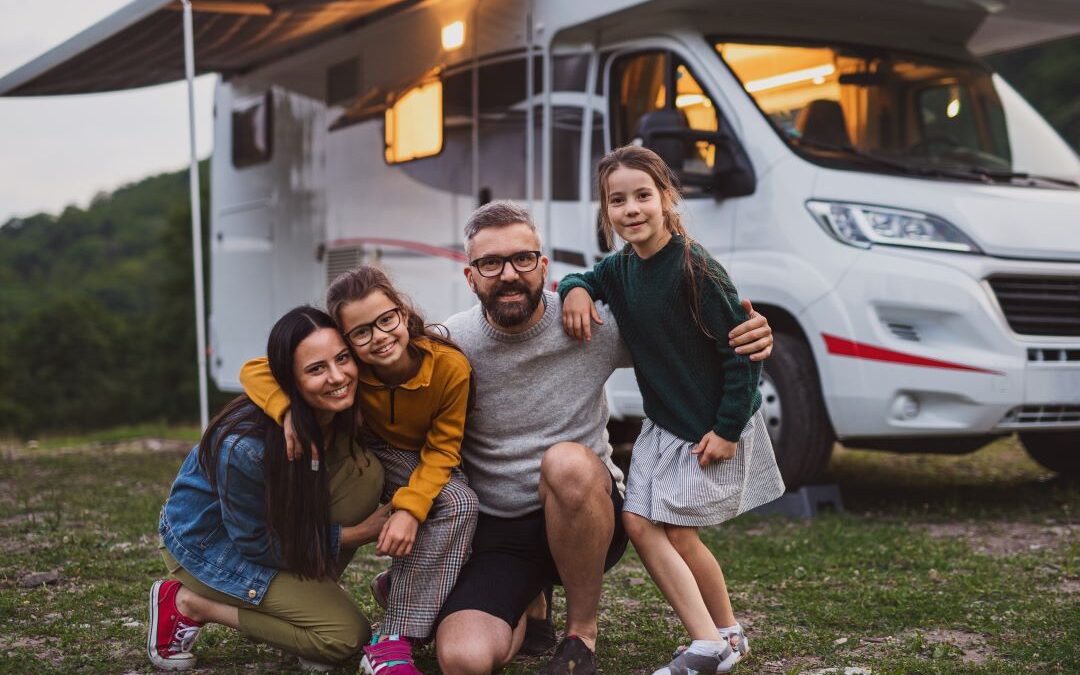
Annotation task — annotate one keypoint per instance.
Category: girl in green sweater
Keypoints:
(704, 454)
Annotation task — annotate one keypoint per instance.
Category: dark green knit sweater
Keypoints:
(690, 383)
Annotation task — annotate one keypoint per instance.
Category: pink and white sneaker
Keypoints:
(171, 634)
(392, 656)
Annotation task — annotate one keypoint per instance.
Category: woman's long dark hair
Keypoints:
(297, 498)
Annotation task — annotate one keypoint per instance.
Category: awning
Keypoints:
(142, 43)
(1020, 23)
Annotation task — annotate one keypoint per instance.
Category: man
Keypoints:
(537, 454)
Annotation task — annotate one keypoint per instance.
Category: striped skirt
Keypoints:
(667, 485)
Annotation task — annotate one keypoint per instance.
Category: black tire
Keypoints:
(1056, 450)
(794, 411)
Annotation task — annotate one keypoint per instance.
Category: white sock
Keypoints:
(729, 630)
(707, 647)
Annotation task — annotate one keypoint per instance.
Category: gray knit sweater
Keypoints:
(533, 390)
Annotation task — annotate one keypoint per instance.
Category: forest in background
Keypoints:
(97, 304)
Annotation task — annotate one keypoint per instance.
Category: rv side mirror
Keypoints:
(731, 176)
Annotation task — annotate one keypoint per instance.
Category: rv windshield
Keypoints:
(897, 112)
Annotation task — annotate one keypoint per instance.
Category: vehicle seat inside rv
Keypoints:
(671, 149)
(822, 121)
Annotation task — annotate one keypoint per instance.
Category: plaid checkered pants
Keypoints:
(420, 581)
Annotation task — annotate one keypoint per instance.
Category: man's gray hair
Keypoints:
(499, 213)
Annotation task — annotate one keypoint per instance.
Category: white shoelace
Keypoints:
(186, 636)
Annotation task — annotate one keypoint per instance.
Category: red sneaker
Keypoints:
(171, 634)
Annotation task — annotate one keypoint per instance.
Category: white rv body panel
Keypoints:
(906, 342)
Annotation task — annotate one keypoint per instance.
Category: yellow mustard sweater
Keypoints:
(426, 414)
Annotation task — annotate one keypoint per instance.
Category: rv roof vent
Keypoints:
(342, 81)
(341, 260)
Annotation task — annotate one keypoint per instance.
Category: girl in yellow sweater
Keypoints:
(414, 394)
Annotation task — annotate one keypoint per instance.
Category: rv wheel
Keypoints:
(1056, 450)
(794, 411)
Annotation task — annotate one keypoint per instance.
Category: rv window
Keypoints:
(252, 133)
(657, 91)
(414, 125)
(852, 106)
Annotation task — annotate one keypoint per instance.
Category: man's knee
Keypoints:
(572, 473)
(463, 650)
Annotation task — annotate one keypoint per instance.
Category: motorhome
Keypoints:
(907, 222)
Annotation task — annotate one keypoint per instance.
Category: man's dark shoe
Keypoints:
(571, 657)
(539, 633)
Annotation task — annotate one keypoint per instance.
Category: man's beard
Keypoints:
(510, 314)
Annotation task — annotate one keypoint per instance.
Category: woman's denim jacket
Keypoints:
(226, 545)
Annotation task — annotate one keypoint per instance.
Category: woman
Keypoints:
(256, 543)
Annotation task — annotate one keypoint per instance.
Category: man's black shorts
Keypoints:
(511, 563)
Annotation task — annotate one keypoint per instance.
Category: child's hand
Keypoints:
(292, 442)
(578, 313)
(712, 448)
(398, 535)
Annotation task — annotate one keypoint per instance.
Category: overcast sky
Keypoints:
(56, 151)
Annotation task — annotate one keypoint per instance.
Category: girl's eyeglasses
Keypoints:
(385, 322)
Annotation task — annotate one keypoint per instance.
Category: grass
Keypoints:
(938, 565)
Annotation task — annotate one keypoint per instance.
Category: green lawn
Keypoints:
(938, 565)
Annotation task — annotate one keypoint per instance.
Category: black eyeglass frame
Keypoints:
(506, 259)
(373, 325)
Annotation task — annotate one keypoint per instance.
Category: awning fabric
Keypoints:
(142, 43)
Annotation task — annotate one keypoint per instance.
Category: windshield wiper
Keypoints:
(1006, 175)
(910, 169)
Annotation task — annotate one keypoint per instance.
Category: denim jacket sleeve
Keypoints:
(241, 485)
(241, 480)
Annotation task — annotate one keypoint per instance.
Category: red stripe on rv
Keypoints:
(437, 251)
(840, 347)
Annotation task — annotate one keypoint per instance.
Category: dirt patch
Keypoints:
(972, 646)
(795, 664)
(1000, 538)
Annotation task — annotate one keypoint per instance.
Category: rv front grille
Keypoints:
(1050, 355)
(1040, 305)
(1033, 416)
(341, 260)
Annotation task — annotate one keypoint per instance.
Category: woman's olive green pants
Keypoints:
(315, 619)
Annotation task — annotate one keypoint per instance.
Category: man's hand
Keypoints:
(292, 442)
(578, 313)
(398, 535)
(753, 336)
(713, 448)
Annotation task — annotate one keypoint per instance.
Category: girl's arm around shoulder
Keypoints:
(590, 280)
(263, 390)
(579, 306)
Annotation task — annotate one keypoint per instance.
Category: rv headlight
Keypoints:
(863, 226)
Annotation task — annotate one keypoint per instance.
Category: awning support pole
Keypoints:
(196, 217)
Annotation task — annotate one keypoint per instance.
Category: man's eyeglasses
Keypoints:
(493, 265)
(385, 322)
